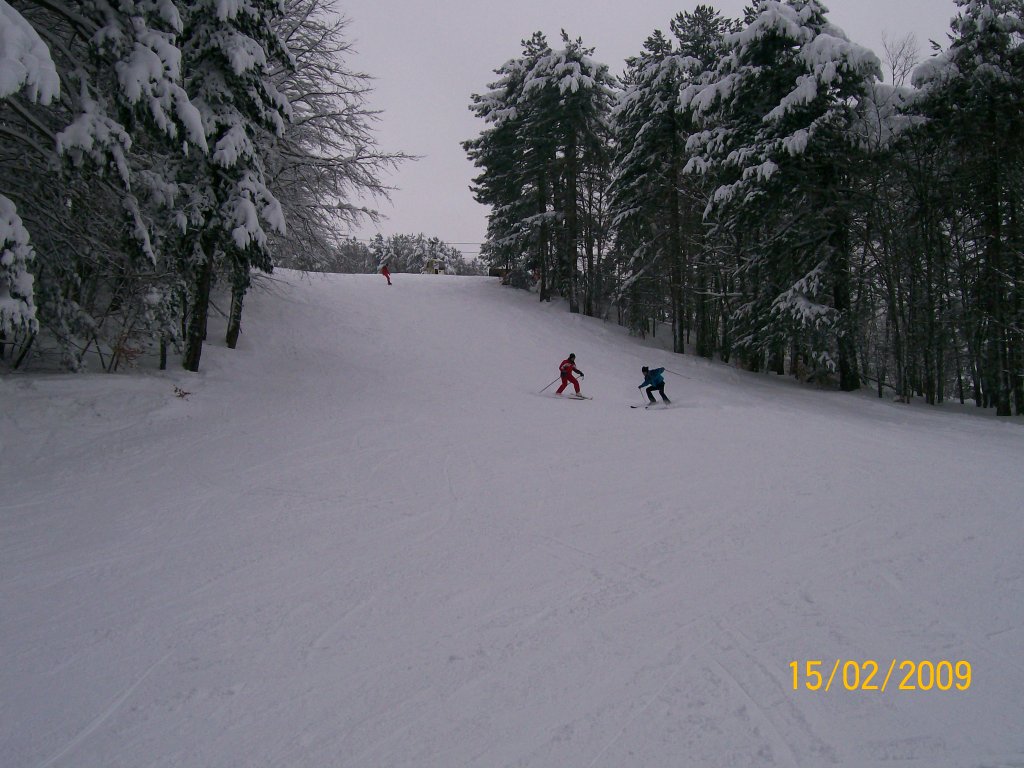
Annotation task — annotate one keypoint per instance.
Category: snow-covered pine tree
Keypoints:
(122, 106)
(656, 210)
(973, 97)
(886, 274)
(548, 116)
(514, 179)
(229, 51)
(776, 114)
(17, 304)
(644, 186)
(25, 64)
(567, 97)
(417, 253)
(352, 256)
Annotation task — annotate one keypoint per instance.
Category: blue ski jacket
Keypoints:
(654, 378)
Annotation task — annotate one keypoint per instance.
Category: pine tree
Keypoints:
(17, 303)
(548, 113)
(776, 117)
(569, 96)
(515, 177)
(656, 209)
(122, 109)
(889, 250)
(973, 96)
(229, 51)
(26, 64)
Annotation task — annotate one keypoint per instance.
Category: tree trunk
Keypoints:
(235, 316)
(196, 333)
(705, 341)
(849, 379)
(24, 351)
(675, 247)
(1016, 332)
(569, 257)
(241, 279)
(588, 287)
(777, 359)
(994, 294)
(542, 239)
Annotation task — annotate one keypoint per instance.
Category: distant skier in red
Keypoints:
(384, 271)
(567, 368)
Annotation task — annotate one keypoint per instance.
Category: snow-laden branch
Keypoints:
(25, 60)
(17, 308)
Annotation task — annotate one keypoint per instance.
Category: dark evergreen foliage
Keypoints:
(769, 200)
(544, 161)
(157, 173)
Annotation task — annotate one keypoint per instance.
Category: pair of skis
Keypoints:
(646, 407)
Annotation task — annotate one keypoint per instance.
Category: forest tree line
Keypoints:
(752, 185)
(154, 151)
(401, 252)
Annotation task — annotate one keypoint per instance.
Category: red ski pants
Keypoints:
(566, 378)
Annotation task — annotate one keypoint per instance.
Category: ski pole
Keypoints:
(678, 374)
(549, 385)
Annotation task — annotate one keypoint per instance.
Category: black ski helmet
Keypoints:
(572, 355)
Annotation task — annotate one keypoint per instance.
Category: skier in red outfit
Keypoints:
(384, 271)
(567, 368)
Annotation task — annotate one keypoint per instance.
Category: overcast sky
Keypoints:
(427, 58)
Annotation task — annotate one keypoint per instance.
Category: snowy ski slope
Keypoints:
(364, 539)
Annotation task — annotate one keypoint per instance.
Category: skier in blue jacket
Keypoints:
(654, 380)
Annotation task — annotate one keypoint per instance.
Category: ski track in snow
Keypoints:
(105, 715)
(363, 540)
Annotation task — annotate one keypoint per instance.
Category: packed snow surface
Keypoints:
(365, 539)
